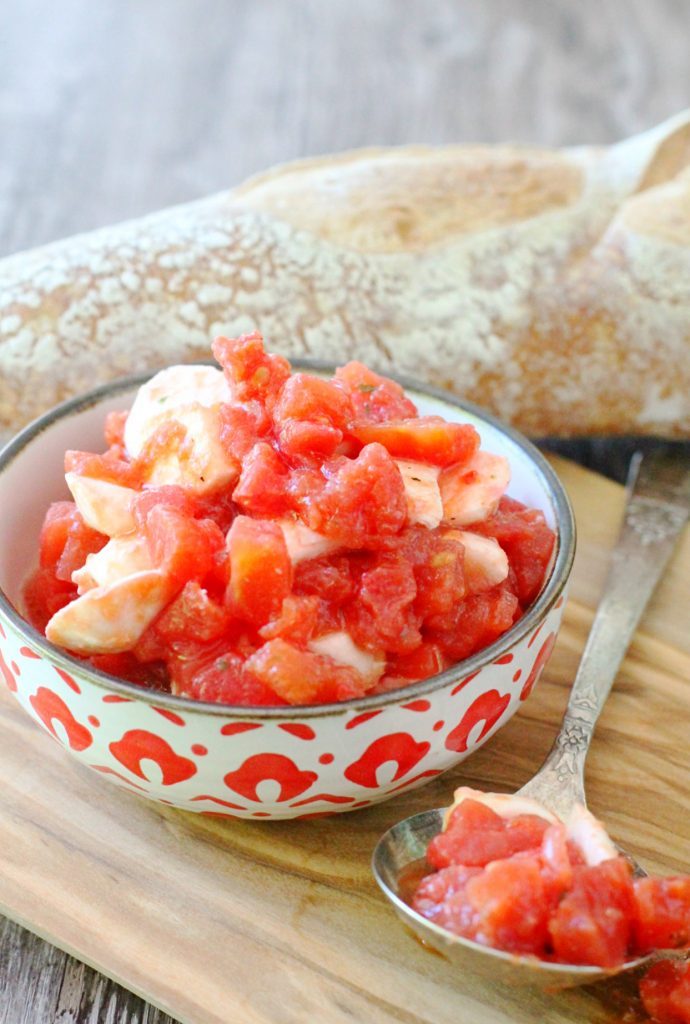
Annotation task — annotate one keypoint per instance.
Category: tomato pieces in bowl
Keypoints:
(255, 536)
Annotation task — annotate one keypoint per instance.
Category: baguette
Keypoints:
(551, 286)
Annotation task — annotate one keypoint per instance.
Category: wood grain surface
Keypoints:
(111, 109)
(219, 921)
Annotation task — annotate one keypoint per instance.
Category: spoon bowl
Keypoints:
(657, 509)
(398, 858)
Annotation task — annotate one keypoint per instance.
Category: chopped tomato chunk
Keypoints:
(665, 992)
(302, 677)
(663, 913)
(193, 613)
(252, 373)
(171, 496)
(382, 615)
(183, 548)
(241, 426)
(113, 466)
(592, 923)
(362, 500)
(44, 594)
(263, 487)
(426, 439)
(115, 428)
(374, 399)
(260, 570)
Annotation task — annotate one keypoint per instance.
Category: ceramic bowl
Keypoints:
(282, 762)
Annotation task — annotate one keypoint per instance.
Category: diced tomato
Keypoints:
(303, 677)
(477, 621)
(329, 578)
(310, 416)
(305, 397)
(374, 398)
(441, 898)
(363, 500)
(510, 909)
(593, 922)
(262, 489)
(296, 622)
(113, 466)
(66, 540)
(425, 439)
(182, 547)
(526, 539)
(662, 919)
(44, 595)
(304, 439)
(253, 374)
(476, 835)
(215, 672)
(260, 570)
(241, 426)
(665, 991)
(440, 579)
(423, 662)
(114, 429)
(382, 615)
(170, 496)
(193, 615)
(59, 519)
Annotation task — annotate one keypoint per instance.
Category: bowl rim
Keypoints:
(536, 613)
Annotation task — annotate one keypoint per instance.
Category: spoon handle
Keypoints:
(657, 508)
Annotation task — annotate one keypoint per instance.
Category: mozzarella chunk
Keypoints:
(168, 391)
(303, 543)
(589, 835)
(506, 805)
(121, 557)
(472, 493)
(486, 563)
(104, 506)
(341, 648)
(199, 463)
(423, 495)
(111, 619)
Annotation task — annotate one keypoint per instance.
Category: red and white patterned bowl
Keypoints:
(281, 762)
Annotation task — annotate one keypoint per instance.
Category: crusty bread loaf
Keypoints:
(551, 286)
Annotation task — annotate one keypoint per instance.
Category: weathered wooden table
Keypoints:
(111, 109)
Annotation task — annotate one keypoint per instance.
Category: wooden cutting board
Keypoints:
(281, 923)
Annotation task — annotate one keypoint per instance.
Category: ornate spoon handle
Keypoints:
(657, 508)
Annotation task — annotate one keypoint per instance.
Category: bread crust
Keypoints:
(550, 286)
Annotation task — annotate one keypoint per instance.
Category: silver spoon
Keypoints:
(658, 505)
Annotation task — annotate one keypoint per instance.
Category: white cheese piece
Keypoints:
(121, 557)
(341, 648)
(199, 462)
(111, 619)
(486, 563)
(104, 506)
(590, 836)
(423, 495)
(472, 494)
(303, 543)
(168, 391)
